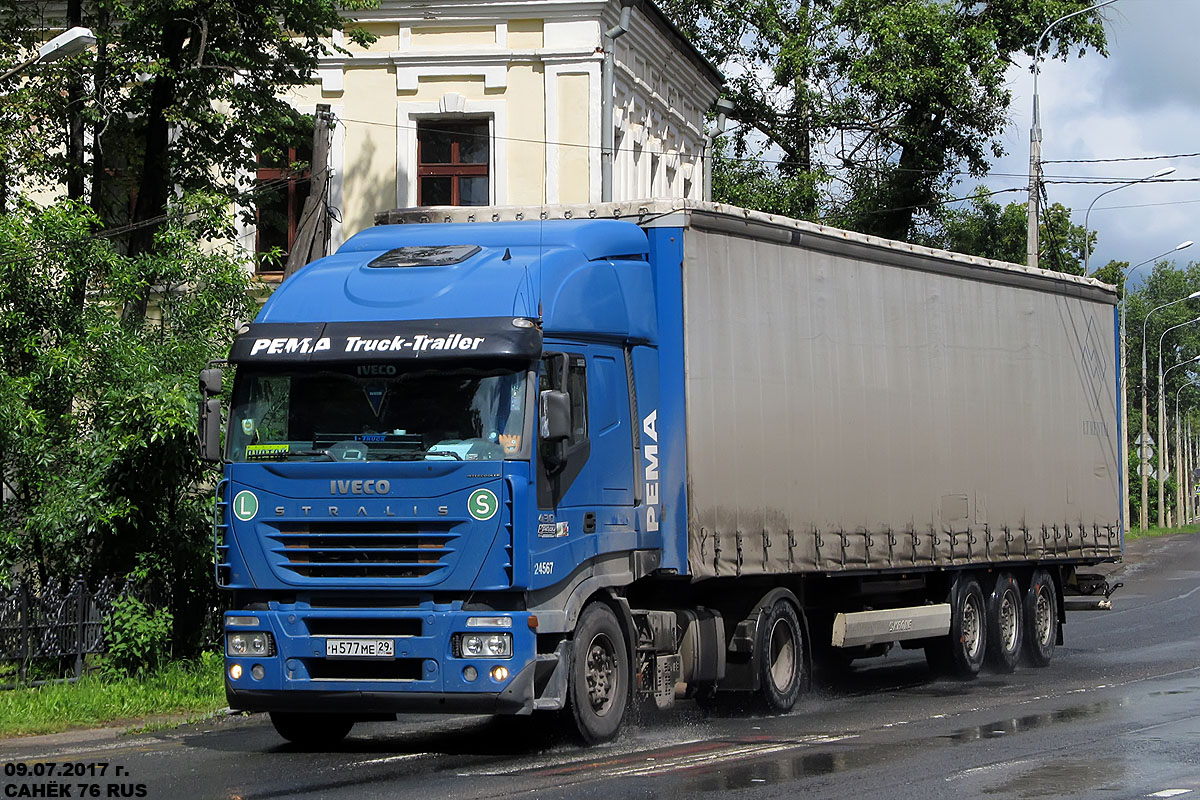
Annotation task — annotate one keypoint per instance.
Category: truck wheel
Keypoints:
(311, 730)
(600, 675)
(961, 653)
(1040, 619)
(1004, 623)
(780, 657)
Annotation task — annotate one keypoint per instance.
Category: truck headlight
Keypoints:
(492, 645)
(258, 643)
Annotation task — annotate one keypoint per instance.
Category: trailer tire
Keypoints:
(311, 730)
(961, 653)
(781, 657)
(598, 694)
(1005, 623)
(1040, 618)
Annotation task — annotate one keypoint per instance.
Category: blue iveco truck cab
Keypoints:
(544, 465)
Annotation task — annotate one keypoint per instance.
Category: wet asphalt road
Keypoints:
(1117, 714)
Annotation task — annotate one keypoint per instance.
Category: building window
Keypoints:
(452, 163)
(281, 183)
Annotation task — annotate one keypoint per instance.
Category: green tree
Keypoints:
(876, 105)
(183, 93)
(97, 415)
(983, 228)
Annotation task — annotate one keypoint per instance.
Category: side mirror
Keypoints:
(555, 413)
(210, 381)
(210, 430)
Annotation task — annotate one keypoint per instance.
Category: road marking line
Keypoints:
(1170, 793)
(388, 759)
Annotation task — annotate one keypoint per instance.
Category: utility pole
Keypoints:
(312, 234)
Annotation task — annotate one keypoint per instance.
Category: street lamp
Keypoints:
(1162, 411)
(1035, 142)
(1144, 510)
(1087, 244)
(1179, 476)
(1143, 516)
(68, 43)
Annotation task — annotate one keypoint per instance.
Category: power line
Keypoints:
(1115, 160)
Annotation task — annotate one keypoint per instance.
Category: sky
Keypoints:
(1142, 100)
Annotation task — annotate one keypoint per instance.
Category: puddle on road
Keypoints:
(1058, 778)
(1033, 721)
(1061, 779)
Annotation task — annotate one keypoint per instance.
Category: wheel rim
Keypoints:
(601, 675)
(782, 655)
(971, 631)
(1041, 616)
(1009, 621)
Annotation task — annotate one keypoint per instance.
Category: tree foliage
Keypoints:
(876, 105)
(984, 228)
(182, 95)
(97, 413)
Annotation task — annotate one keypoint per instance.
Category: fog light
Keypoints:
(235, 671)
(499, 674)
(257, 672)
(470, 673)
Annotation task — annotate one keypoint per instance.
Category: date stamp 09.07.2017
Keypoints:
(68, 779)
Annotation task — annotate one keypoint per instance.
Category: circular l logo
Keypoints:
(482, 504)
(245, 506)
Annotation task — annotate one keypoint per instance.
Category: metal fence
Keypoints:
(54, 621)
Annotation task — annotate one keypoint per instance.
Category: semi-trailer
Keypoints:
(544, 460)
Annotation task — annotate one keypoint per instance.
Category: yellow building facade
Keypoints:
(500, 103)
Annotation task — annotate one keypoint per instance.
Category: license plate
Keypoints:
(360, 648)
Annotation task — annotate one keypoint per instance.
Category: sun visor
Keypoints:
(484, 337)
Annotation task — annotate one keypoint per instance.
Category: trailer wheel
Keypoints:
(962, 652)
(1004, 623)
(600, 675)
(1040, 619)
(311, 730)
(780, 657)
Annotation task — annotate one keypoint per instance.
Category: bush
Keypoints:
(138, 637)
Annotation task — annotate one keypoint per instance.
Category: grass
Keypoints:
(193, 689)
(1138, 533)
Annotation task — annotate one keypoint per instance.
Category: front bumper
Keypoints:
(425, 674)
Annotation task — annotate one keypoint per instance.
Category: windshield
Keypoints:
(374, 412)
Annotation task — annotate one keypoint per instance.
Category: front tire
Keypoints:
(1005, 623)
(600, 675)
(1040, 618)
(311, 730)
(780, 646)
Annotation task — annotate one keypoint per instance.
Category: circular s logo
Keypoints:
(482, 504)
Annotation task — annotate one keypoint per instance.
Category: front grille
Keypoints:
(364, 550)
(397, 669)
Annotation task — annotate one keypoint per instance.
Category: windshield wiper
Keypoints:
(450, 453)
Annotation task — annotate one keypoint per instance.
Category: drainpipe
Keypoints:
(607, 90)
(716, 128)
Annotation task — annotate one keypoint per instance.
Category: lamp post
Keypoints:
(1087, 243)
(1179, 477)
(68, 43)
(1162, 411)
(1143, 518)
(1035, 142)
(1192, 360)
